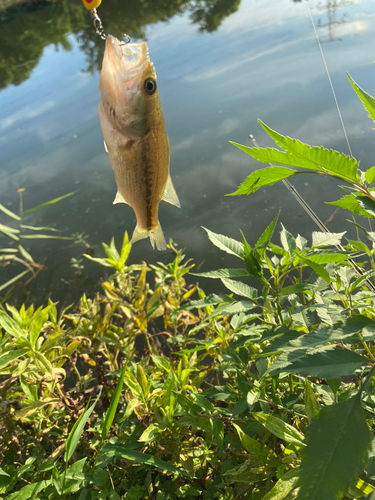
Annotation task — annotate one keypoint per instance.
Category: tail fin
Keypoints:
(156, 236)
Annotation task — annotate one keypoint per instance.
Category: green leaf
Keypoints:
(330, 364)
(102, 262)
(235, 307)
(8, 357)
(223, 273)
(370, 175)
(35, 406)
(279, 428)
(263, 177)
(110, 451)
(186, 403)
(266, 236)
(240, 288)
(367, 204)
(29, 492)
(9, 231)
(317, 268)
(367, 101)
(337, 445)
(125, 250)
(229, 245)
(47, 203)
(320, 239)
(13, 280)
(25, 254)
(256, 449)
(44, 237)
(142, 381)
(40, 228)
(284, 486)
(12, 327)
(312, 405)
(76, 432)
(302, 155)
(349, 202)
(287, 240)
(9, 212)
(110, 415)
(218, 432)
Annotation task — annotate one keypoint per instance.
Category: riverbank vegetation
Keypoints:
(152, 389)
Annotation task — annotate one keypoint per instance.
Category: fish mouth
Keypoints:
(128, 58)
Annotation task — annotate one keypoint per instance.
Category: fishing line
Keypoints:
(329, 79)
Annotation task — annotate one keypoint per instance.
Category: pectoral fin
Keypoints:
(105, 147)
(119, 199)
(170, 195)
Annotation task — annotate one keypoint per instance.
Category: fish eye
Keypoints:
(150, 86)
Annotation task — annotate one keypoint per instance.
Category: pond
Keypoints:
(221, 65)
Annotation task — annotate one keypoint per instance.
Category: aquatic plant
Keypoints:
(15, 255)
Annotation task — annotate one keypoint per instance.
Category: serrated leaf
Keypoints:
(367, 204)
(287, 240)
(302, 155)
(330, 364)
(240, 288)
(317, 268)
(266, 236)
(262, 177)
(337, 444)
(229, 245)
(320, 239)
(223, 273)
(279, 428)
(367, 100)
(349, 202)
(235, 307)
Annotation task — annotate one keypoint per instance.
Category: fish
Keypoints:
(135, 135)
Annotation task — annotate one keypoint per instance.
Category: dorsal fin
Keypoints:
(170, 195)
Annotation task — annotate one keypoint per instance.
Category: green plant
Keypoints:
(15, 255)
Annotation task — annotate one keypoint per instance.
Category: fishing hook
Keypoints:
(99, 30)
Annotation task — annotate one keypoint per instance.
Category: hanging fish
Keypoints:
(135, 135)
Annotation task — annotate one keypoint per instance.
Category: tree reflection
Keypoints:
(25, 30)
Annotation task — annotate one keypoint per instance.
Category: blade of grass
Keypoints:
(110, 415)
(47, 203)
(9, 212)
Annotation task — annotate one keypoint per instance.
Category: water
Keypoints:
(220, 65)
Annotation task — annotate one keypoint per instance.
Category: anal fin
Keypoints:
(170, 195)
(119, 199)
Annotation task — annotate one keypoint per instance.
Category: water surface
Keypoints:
(220, 65)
